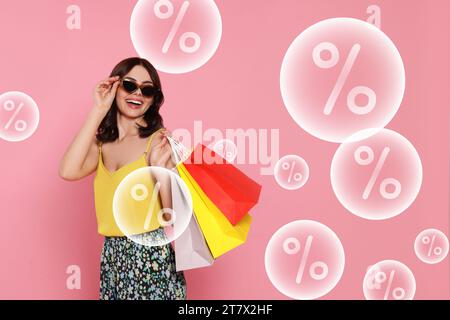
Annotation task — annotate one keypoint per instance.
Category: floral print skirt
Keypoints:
(131, 271)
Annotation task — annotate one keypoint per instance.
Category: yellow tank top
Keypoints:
(105, 185)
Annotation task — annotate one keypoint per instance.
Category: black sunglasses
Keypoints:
(147, 90)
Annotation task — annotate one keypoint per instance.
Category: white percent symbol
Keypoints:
(139, 192)
(169, 10)
(368, 159)
(19, 125)
(290, 166)
(431, 248)
(397, 293)
(313, 267)
(342, 78)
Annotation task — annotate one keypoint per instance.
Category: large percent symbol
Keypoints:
(139, 192)
(376, 172)
(432, 249)
(380, 277)
(313, 267)
(19, 125)
(348, 65)
(185, 36)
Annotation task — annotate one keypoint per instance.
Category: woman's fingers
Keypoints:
(159, 144)
(114, 87)
(166, 133)
(109, 88)
(165, 156)
(111, 79)
(162, 143)
(163, 147)
(107, 82)
(165, 142)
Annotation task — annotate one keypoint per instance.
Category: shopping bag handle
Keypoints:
(179, 150)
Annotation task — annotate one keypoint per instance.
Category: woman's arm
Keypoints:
(160, 156)
(81, 158)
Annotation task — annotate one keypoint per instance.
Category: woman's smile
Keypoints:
(134, 103)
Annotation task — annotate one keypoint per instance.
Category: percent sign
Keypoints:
(380, 277)
(342, 78)
(432, 249)
(376, 172)
(286, 166)
(313, 267)
(19, 125)
(139, 192)
(227, 149)
(176, 25)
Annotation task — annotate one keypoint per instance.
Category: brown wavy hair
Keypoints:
(107, 130)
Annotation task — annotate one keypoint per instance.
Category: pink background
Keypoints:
(48, 223)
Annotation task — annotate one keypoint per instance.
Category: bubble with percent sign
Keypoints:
(340, 76)
(291, 172)
(431, 246)
(137, 206)
(378, 177)
(389, 280)
(304, 259)
(176, 36)
(226, 149)
(19, 116)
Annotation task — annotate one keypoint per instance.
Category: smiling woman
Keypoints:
(124, 132)
(129, 72)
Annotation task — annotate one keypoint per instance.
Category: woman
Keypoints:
(123, 132)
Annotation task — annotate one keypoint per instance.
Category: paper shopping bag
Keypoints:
(226, 186)
(191, 250)
(221, 236)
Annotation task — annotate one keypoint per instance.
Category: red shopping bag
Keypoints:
(229, 189)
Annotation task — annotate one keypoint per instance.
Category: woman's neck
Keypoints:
(127, 126)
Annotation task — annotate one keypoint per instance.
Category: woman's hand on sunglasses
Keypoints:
(105, 92)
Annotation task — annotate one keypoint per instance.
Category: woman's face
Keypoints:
(128, 103)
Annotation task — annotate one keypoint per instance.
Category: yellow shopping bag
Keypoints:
(221, 236)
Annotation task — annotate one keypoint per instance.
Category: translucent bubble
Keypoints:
(138, 206)
(291, 172)
(389, 280)
(376, 174)
(431, 246)
(177, 36)
(304, 259)
(19, 116)
(340, 76)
